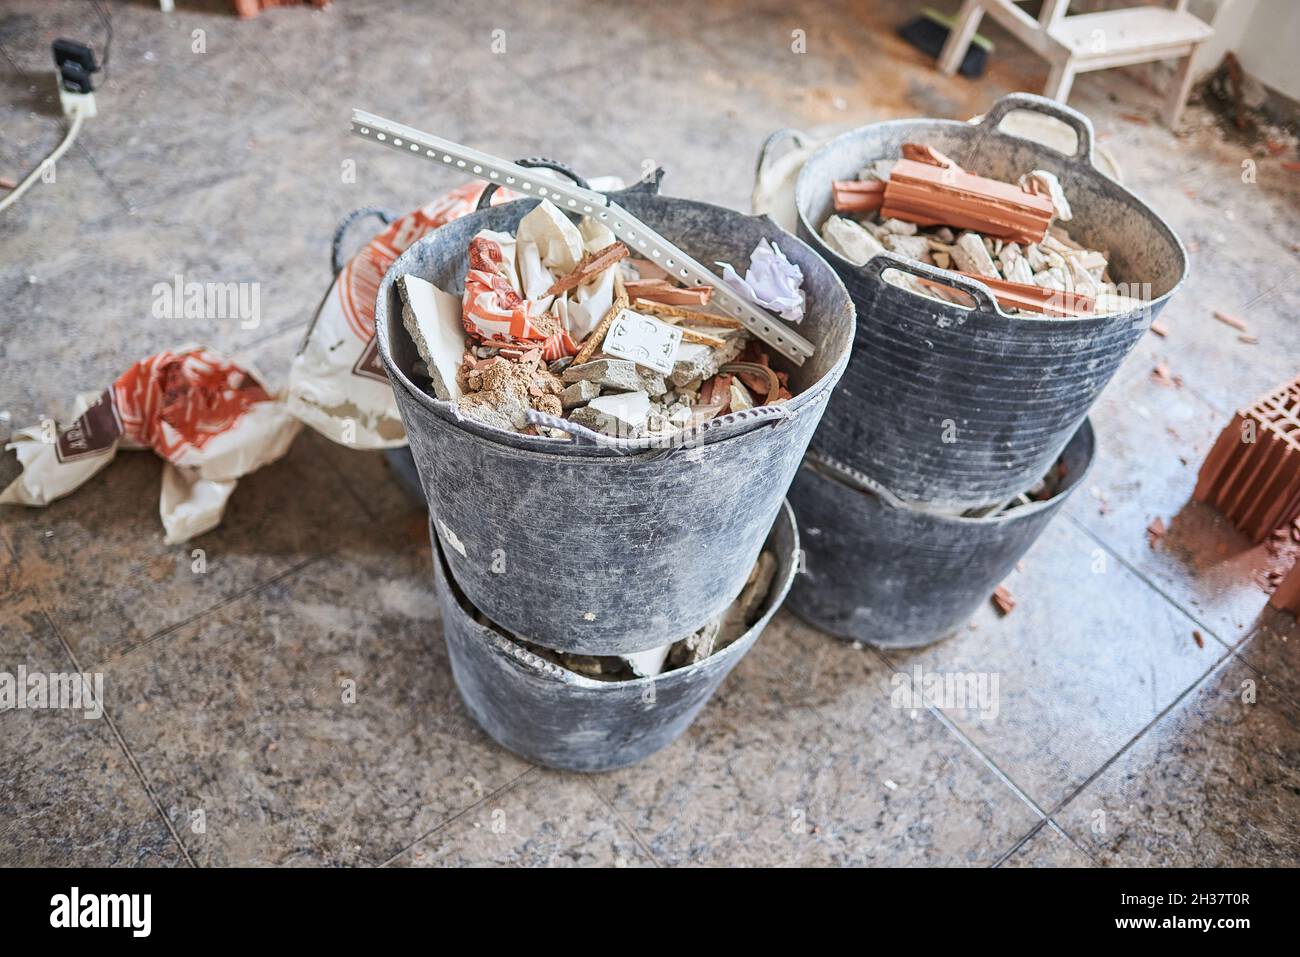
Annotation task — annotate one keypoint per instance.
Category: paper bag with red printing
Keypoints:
(337, 383)
(209, 419)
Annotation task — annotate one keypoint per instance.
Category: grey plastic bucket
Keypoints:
(965, 408)
(892, 575)
(552, 716)
(615, 546)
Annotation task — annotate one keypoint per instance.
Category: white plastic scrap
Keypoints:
(771, 281)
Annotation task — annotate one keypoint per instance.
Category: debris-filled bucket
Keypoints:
(893, 575)
(968, 404)
(526, 699)
(601, 544)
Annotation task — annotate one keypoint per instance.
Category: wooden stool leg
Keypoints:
(960, 36)
(1059, 81)
(1180, 84)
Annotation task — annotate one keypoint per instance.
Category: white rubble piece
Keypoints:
(744, 610)
(850, 240)
(623, 414)
(648, 664)
(620, 375)
(898, 227)
(432, 317)
(1042, 181)
(740, 397)
(579, 393)
(971, 256)
(913, 247)
(697, 361)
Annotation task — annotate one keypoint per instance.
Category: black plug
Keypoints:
(76, 62)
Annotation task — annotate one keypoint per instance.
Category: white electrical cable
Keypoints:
(50, 160)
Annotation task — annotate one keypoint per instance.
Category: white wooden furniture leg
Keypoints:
(1059, 81)
(1180, 84)
(960, 36)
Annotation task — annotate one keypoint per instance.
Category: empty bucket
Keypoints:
(611, 548)
(893, 575)
(552, 716)
(967, 407)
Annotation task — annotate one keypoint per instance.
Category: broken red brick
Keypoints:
(1034, 298)
(592, 264)
(857, 196)
(1252, 474)
(663, 291)
(1159, 328)
(1162, 376)
(1198, 638)
(949, 196)
(1287, 594)
(1003, 600)
(1229, 320)
(924, 153)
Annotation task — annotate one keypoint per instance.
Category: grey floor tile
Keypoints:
(849, 780)
(1048, 847)
(250, 716)
(1080, 669)
(99, 564)
(1151, 440)
(549, 819)
(68, 794)
(1215, 783)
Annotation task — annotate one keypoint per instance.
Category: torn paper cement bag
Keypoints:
(209, 419)
(337, 383)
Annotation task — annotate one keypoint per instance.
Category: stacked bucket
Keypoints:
(610, 548)
(913, 499)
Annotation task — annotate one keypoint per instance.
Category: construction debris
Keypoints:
(558, 319)
(1003, 600)
(714, 637)
(1155, 532)
(931, 195)
(1252, 474)
(1007, 236)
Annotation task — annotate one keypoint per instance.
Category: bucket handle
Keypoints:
(983, 296)
(799, 138)
(581, 435)
(1072, 118)
(385, 216)
(534, 162)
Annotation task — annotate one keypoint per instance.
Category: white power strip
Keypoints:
(75, 102)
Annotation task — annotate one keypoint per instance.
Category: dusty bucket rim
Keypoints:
(987, 126)
(535, 663)
(858, 481)
(732, 425)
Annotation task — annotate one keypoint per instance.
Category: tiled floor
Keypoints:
(1119, 739)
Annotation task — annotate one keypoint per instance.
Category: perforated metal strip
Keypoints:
(638, 237)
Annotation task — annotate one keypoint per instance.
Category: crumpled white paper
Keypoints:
(771, 281)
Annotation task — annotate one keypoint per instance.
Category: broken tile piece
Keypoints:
(623, 414)
(432, 317)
